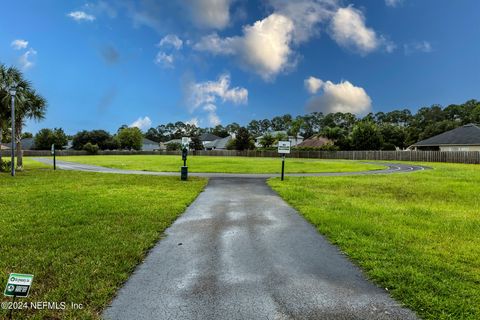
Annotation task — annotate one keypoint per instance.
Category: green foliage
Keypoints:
(196, 144)
(5, 166)
(243, 140)
(267, 140)
(46, 137)
(366, 136)
(91, 148)
(130, 138)
(99, 137)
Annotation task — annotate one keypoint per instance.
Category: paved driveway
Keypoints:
(240, 252)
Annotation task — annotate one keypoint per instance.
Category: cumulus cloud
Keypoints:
(393, 3)
(164, 60)
(26, 60)
(213, 14)
(19, 44)
(142, 123)
(417, 46)
(340, 97)
(172, 41)
(263, 48)
(81, 16)
(313, 84)
(206, 95)
(348, 29)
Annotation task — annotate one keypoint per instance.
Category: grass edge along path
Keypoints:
(219, 164)
(415, 234)
(82, 234)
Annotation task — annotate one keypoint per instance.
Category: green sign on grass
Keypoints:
(18, 285)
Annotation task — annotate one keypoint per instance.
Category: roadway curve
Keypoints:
(391, 168)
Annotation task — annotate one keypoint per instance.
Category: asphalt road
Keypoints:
(391, 168)
(241, 252)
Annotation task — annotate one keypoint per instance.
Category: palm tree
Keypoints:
(28, 104)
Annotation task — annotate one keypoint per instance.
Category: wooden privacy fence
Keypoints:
(423, 156)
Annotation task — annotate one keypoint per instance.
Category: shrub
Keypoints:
(5, 166)
(91, 148)
(174, 146)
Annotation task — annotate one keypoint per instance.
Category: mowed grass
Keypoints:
(416, 234)
(167, 163)
(82, 234)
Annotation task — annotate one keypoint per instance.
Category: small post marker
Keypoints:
(184, 170)
(283, 148)
(18, 285)
(54, 157)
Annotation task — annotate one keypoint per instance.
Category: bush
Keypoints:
(5, 166)
(174, 146)
(91, 148)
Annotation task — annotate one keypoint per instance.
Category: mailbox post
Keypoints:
(184, 170)
(283, 149)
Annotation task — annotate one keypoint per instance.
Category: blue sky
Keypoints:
(101, 64)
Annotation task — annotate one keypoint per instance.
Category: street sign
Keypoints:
(53, 149)
(185, 141)
(18, 285)
(283, 147)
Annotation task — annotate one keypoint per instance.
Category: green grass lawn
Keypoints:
(82, 234)
(221, 164)
(416, 234)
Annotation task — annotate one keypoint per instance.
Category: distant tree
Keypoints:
(174, 146)
(267, 140)
(220, 131)
(130, 138)
(91, 148)
(280, 136)
(254, 128)
(295, 127)
(233, 128)
(265, 125)
(153, 134)
(27, 135)
(46, 137)
(394, 136)
(196, 143)
(243, 140)
(99, 137)
(366, 136)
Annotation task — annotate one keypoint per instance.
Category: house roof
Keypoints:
(208, 137)
(315, 142)
(174, 141)
(275, 133)
(466, 135)
(219, 143)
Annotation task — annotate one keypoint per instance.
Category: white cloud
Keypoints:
(393, 3)
(306, 15)
(26, 60)
(418, 46)
(81, 16)
(19, 44)
(142, 123)
(348, 29)
(171, 40)
(313, 84)
(206, 95)
(164, 60)
(341, 97)
(263, 48)
(213, 14)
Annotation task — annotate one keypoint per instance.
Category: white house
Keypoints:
(466, 138)
(293, 141)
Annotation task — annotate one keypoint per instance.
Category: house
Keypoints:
(294, 141)
(218, 144)
(465, 138)
(315, 142)
(149, 145)
(208, 137)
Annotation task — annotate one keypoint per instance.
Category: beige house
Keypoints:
(465, 138)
